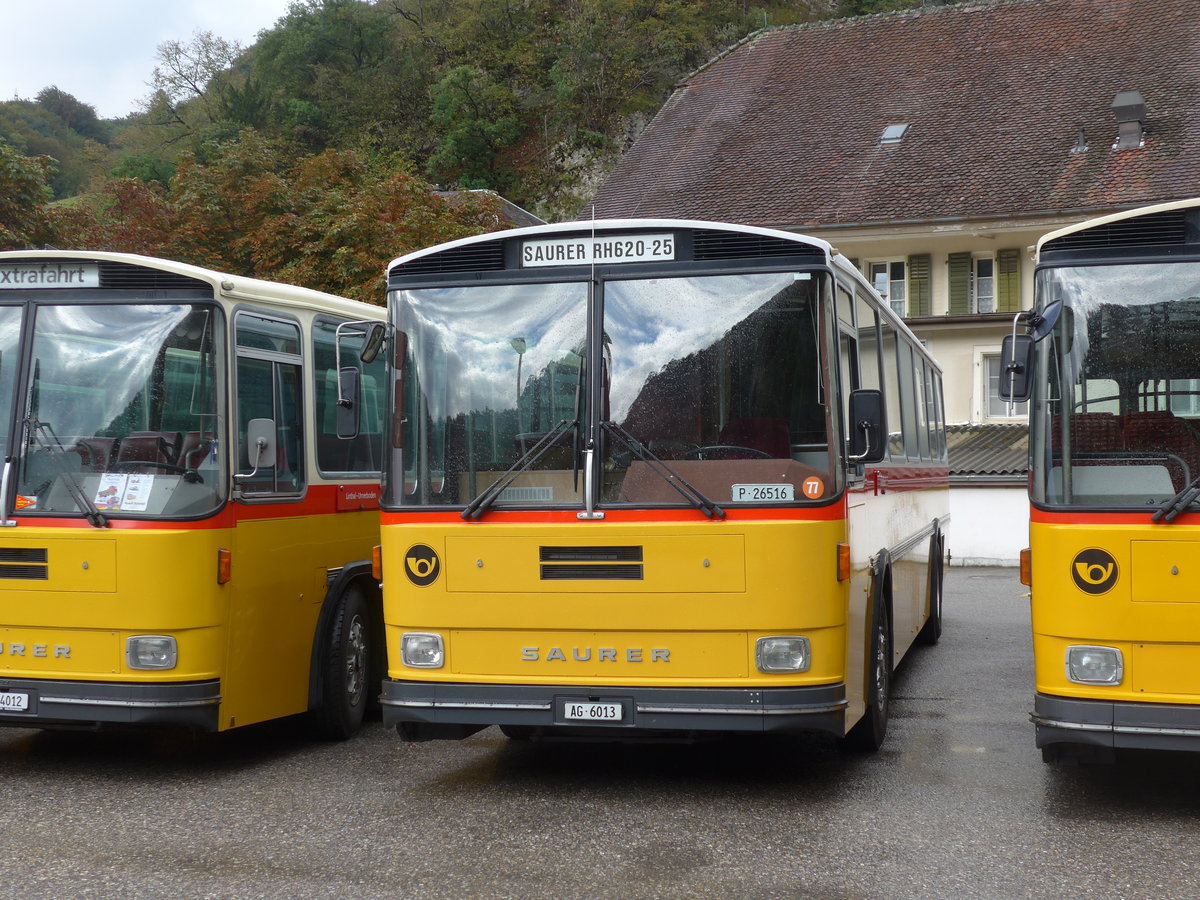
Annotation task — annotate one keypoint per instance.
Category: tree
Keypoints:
(24, 193)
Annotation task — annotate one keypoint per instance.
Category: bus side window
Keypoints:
(895, 421)
(363, 453)
(269, 387)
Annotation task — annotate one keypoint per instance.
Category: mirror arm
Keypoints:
(865, 427)
(261, 444)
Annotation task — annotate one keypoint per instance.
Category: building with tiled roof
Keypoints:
(934, 147)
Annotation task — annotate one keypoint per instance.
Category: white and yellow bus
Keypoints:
(1111, 367)
(653, 477)
(184, 538)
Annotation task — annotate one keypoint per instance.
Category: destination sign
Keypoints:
(61, 274)
(598, 250)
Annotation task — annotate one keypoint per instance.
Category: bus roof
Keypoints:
(614, 225)
(231, 287)
(1116, 217)
(836, 259)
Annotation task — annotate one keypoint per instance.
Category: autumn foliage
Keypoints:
(325, 221)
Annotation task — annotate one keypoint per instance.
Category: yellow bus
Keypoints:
(1110, 365)
(184, 538)
(654, 477)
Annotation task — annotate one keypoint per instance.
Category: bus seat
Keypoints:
(767, 435)
(1163, 430)
(96, 453)
(149, 447)
(1095, 431)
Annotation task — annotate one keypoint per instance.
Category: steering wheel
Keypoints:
(725, 451)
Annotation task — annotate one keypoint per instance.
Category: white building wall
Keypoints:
(989, 526)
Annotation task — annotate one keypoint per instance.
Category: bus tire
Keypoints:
(346, 666)
(931, 631)
(868, 733)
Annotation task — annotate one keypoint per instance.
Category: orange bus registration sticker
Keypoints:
(814, 487)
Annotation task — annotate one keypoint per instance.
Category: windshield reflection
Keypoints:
(716, 375)
(1125, 361)
(122, 405)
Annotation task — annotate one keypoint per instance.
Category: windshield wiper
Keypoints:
(47, 440)
(488, 495)
(1177, 504)
(690, 493)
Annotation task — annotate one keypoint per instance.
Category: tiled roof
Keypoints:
(990, 449)
(783, 130)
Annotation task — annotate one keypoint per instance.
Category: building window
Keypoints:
(983, 285)
(996, 408)
(888, 279)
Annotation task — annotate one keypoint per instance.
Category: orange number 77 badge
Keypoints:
(813, 487)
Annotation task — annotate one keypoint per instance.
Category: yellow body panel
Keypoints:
(1148, 611)
(255, 633)
(761, 578)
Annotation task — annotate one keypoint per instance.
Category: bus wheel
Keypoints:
(868, 733)
(931, 631)
(346, 662)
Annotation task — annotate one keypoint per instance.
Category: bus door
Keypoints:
(278, 588)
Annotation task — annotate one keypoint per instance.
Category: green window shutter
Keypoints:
(920, 290)
(1008, 280)
(959, 265)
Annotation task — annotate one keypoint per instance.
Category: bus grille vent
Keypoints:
(733, 245)
(584, 572)
(1169, 227)
(591, 563)
(590, 554)
(485, 256)
(123, 276)
(24, 563)
(23, 555)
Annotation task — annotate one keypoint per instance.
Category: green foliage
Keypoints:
(326, 221)
(24, 193)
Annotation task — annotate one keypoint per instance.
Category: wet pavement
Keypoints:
(957, 803)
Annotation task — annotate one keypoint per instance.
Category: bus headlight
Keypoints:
(1094, 665)
(783, 654)
(151, 651)
(422, 651)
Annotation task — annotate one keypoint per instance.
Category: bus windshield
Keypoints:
(1118, 424)
(716, 377)
(121, 410)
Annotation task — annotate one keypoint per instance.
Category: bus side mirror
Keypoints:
(867, 444)
(260, 447)
(373, 341)
(1016, 359)
(348, 403)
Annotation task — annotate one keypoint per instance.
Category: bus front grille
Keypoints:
(583, 572)
(24, 563)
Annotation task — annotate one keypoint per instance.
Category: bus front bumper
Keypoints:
(51, 704)
(1101, 723)
(426, 710)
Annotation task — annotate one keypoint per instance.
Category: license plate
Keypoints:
(762, 493)
(12, 701)
(580, 711)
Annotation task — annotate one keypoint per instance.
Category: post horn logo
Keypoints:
(1094, 571)
(421, 565)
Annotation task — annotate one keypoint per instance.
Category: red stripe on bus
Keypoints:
(1077, 517)
(319, 500)
(832, 513)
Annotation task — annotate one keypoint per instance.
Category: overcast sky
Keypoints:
(102, 51)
